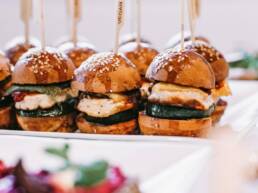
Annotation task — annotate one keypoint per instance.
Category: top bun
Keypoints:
(214, 57)
(17, 47)
(185, 68)
(175, 40)
(5, 70)
(132, 38)
(106, 73)
(46, 66)
(141, 56)
(79, 53)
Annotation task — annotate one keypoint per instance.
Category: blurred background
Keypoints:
(229, 24)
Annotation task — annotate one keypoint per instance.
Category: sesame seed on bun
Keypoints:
(185, 68)
(79, 53)
(5, 70)
(46, 66)
(107, 72)
(141, 56)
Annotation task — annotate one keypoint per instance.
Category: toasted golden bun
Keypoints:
(116, 129)
(17, 47)
(175, 40)
(5, 67)
(107, 72)
(46, 66)
(185, 68)
(141, 56)
(168, 127)
(6, 119)
(214, 57)
(218, 113)
(79, 53)
(47, 124)
(130, 186)
(132, 38)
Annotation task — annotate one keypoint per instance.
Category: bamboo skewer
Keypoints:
(119, 23)
(42, 24)
(182, 23)
(26, 14)
(76, 16)
(138, 22)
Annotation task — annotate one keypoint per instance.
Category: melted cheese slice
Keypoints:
(224, 90)
(105, 107)
(180, 95)
(43, 101)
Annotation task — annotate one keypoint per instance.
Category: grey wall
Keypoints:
(230, 24)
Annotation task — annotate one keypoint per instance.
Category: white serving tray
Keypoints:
(242, 92)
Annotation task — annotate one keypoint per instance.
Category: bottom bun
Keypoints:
(116, 129)
(130, 186)
(6, 120)
(218, 113)
(47, 124)
(168, 127)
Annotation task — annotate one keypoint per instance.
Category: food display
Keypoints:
(97, 177)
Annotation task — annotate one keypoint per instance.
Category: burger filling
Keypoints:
(43, 100)
(172, 101)
(109, 108)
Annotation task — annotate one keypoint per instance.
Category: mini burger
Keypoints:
(179, 100)
(5, 100)
(175, 40)
(221, 71)
(109, 91)
(140, 55)
(78, 53)
(41, 91)
(17, 47)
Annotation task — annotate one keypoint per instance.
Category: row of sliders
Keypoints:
(135, 90)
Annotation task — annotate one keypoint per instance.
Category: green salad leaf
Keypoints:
(60, 152)
(92, 174)
(49, 90)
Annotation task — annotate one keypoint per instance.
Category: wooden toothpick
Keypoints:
(192, 15)
(138, 22)
(119, 22)
(182, 22)
(26, 14)
(76, 16)
(42, 24)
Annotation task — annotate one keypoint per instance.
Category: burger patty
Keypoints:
(113, 119)
(176, 112)
(6, 101)
(59, 109)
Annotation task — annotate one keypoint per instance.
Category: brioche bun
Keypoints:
(5, 68)
(132, 38)
(46, 66)
(123, 128)
(214, 57)
(17, 47)
(175, 40)
(185, 68)
(168, 127)
(218, 112)
(79, 53)
(141, 56)
(106, 73)
(47, 124)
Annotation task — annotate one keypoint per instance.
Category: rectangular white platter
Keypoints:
(242, 92)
